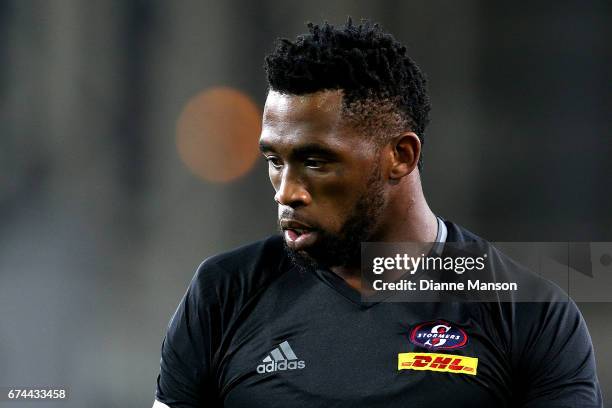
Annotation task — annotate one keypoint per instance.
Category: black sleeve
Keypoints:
(556, 360)
(186, 378)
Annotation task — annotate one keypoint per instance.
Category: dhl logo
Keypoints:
(437, 362)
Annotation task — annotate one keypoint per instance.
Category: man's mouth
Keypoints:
(299, 239)
(298, 236)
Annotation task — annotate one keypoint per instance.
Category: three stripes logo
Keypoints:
(281, 358)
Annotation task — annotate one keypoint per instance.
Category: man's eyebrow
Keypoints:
(302, 150)
(313, 149)
(265, 147)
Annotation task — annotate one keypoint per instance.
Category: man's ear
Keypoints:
(405, 153)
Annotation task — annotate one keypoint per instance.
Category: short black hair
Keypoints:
(367, 63)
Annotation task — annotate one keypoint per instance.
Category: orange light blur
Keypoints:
(217, 134)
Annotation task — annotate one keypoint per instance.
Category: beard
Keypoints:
(344, 247)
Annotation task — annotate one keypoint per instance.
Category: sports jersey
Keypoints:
(253, 330)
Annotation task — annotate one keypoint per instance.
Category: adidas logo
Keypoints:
(282, 358)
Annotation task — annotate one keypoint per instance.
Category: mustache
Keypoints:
(288, 213)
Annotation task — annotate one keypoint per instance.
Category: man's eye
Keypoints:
(274, 161)
(313, 163)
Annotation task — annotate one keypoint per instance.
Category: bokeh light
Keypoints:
(217, 134)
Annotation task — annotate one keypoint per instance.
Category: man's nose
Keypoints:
(291, 191)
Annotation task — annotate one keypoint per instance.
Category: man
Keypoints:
(282, 322)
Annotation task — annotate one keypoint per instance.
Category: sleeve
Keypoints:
(556, 362)
(186, 378)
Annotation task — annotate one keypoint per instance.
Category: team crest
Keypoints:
(438, 335)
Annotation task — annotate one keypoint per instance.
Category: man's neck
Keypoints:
(407, 218)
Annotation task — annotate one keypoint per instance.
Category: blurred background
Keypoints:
(128, 154)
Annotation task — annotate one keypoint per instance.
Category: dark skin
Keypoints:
(318, 165)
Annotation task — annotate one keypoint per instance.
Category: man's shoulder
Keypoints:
(502, 267)
(457, 233)
(243, 268)
(259, 253)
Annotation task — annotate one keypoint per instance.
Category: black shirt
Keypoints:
(255, 331)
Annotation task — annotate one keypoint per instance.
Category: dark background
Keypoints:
(102, 225)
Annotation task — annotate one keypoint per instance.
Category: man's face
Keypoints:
(326, 175)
